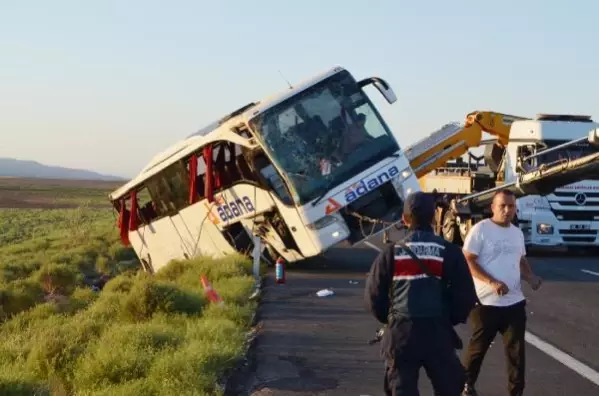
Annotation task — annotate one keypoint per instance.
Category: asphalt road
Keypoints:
(310, 345)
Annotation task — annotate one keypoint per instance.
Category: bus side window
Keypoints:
(226, 163)
(200, 175)
(147, 209)
(177, 183)
(244, 169)
(170, 189)
(220, 176)
(230, 166)
(272, 177)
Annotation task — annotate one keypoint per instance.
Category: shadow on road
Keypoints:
(338, 260)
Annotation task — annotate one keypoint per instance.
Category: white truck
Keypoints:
(569, 216)
(555, 210)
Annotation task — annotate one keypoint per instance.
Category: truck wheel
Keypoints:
(438, 228)
(464, 228)
(450, 229)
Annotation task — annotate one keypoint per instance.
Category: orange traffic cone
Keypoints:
(210, 292)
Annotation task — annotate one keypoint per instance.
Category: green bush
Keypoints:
(119, 284)
(19, 296)
(149, 296)
(124, 353)
(57, 278)
(141, 335)
(17, 385)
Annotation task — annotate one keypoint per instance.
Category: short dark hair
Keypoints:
(503, 191)
(420, 207)
(419, 219)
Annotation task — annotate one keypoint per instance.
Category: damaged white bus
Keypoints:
(310, 168)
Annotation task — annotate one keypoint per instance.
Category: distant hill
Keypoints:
(23, 168)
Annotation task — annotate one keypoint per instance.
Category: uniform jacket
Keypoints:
(397, 287)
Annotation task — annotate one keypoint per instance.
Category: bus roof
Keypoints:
(218, 130)
(177, 152)
(274, 100)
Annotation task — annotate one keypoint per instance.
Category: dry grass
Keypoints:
(28, 193)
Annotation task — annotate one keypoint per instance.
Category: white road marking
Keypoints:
(590, 272)
(375, 247)
(563, 358)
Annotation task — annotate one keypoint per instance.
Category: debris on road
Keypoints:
(325, 293)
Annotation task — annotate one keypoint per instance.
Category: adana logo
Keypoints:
(580, 198)
(365, 186)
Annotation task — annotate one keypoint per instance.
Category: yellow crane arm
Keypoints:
(454, 140)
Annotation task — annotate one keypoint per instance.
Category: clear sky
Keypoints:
(105, 85)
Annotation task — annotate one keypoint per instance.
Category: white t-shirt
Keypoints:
(499, 250)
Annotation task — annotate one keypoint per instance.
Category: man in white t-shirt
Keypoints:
(495, 251)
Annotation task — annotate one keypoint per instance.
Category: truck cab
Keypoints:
(570, 215)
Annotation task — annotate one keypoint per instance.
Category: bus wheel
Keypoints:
(450, 229)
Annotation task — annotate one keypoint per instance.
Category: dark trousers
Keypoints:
(511, 323)
(416, 343)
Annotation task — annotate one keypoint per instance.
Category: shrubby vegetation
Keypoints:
(139, 335)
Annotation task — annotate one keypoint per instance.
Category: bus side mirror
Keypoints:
(380, 84)
(594, 137)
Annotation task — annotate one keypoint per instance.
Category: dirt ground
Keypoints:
(30, 193)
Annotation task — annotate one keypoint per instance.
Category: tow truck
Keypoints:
(535, 158)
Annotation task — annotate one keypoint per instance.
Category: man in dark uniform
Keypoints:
(420, 299)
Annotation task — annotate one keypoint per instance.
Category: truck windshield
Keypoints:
(570, 153)
(324, 135)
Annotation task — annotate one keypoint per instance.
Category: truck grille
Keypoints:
(574, 206)
(572, 194)
(575, 215)
(586, 236)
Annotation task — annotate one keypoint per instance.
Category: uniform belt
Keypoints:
(455, 338)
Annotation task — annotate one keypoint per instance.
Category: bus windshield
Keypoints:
(324, 135)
